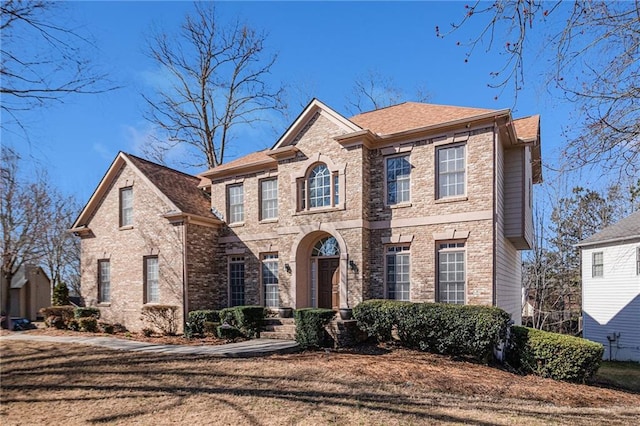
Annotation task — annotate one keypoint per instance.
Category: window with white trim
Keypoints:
(398, 171)
(270, 280)
(638, 261)
(397, 260)
(320, 188)
(236, 280)
(151, 280)
(451, 272)
(235, 202)
(597, 264)
(104, 281)
(126, 206)
(451, 165)
(268, 199)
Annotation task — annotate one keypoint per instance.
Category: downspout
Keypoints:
(494, 299)
(185, 286)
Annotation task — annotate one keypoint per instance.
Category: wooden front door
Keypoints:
(328, 283)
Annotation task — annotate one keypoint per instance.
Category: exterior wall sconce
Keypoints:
(353, 266)
(287, 268)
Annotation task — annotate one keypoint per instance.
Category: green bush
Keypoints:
(60, 295)
(106, 327)
(553, 355)
(57, 316)
(247, 319)
(461, 330)
(210, 328)
(74, 325)
(88, 324)
(196, 320)
(378, 317)
(310, 327)
(229, 332)
(86, 313)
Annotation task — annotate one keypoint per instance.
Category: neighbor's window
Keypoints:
(270, 280)
(235, 201)
(236, 280)
(104, 281)
(397, 267)
(268, 199)
(597, 266)
(451, 171)
(319, 189)
(126, 206)
(451, 273)
(638, 261)
(151, 285)
(398, 179)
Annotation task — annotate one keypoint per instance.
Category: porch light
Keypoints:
(287, 268)
(353, 266)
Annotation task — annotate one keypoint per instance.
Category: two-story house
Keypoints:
(412, 202)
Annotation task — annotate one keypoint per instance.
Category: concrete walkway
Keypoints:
(249, 348)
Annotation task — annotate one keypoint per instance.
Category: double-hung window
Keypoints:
(236, 280)
(126, 206)
(270, 280)
(398, 179)
(268, 199)
(235, 203)
(151, 281)
(451, 165)
(451, 273)
(597, 266)
(104, 281)
(397, 272)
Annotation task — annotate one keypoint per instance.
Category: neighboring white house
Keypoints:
(611, 289)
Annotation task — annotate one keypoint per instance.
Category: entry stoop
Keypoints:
(279, 328)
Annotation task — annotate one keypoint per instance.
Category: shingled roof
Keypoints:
(412, 115)
(625, 229)
(181, 188)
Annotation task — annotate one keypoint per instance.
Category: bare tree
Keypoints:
(42, 61)
(217, 81)
(23, 210)
(374, 90)
(595, 56)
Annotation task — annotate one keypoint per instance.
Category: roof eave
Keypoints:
(242, 169)
(584, 244)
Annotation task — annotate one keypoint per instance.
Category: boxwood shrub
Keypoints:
(88, 324)
(553, 355)
(460, 330)
(310, 327)
(248, 319)
(57, 316)
(88, 312)
(197, 319)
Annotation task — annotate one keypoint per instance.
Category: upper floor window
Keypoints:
(104, 281)
(451, 273)
(597, 266)
(126, 206)
(151, 279)
(320, 188)
(268, 199)
(398, 180)
(235, 203)
(451, 165)
(397, 272)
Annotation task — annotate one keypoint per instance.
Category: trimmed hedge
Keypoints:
(558, 356)
(310, 327)
(197, 319)
(88, 324)
(88, 312)
(247, 319)
(461, 330)
(377, 317)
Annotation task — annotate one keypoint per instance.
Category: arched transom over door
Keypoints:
(325, 274)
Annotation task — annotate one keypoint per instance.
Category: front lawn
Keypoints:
(45, 383)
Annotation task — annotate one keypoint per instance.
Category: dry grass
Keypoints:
(72, 384)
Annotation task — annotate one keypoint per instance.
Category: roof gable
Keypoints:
(178, 190)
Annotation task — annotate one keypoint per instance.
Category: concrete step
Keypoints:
(279, 321)
(275, 327)
(277, 335)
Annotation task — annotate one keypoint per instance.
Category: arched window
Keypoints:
(327, 246)
(320, 188)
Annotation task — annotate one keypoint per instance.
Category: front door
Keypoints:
(328, 283)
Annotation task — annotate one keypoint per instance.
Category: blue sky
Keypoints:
(321, 45)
